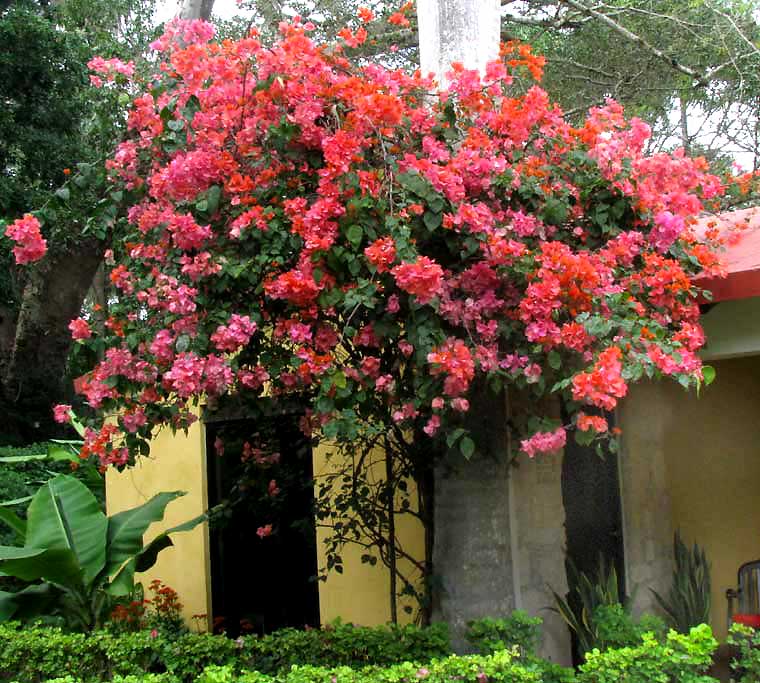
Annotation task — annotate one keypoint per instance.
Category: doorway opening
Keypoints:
(593, 516)
(262, 531)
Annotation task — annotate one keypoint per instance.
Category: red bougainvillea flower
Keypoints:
(305, 227)
(30, 245)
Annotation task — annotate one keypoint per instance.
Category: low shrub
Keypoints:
(614, 626)
(33, 654)
(36, 655)
(501, 667)
(680, 659)
(746, 663)
(519, 629)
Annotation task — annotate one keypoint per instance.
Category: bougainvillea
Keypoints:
(301, 224)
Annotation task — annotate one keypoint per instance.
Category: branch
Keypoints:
(580, 6)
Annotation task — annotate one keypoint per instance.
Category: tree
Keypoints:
(690, 69)
(55, 132)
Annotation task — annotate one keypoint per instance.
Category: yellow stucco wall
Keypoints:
(713, 469)
(711, 447)
(176, 463)
(361, 594)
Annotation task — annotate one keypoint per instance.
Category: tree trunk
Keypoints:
(472, 548)
(466, 31)
(34, 347)
(197, 9)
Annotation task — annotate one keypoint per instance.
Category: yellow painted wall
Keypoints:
(711, 445)
(713, 468)
(361, 594)
(176, 463)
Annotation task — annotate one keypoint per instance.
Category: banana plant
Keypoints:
(74, 557)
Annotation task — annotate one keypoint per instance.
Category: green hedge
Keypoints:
(35, 655)
(32, 654)
(499, 667)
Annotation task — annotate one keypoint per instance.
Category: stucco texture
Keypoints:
(698, 468)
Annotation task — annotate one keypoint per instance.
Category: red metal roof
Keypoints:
(741, 258)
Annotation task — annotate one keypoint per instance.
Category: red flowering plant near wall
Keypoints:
(304, 224)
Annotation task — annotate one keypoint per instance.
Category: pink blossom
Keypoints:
(235, 334)
(544, 442)
(62, 413)
(423, 278)
(80, 329)
(30, 245)
(432, 426)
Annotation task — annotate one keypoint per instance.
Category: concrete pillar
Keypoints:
(539, 536)
(645, 416)
(472, 552)
(465, 31)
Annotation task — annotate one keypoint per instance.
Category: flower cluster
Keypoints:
(30, 245)
(311, 228)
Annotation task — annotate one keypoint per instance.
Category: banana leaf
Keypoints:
(65, 515)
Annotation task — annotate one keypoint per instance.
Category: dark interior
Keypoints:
(260, 584)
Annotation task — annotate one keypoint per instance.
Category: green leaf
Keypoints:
(23, 458)
(708, 374)
(65, 515)
(63, 193)
(123, 581)
(355, 234)
(432, 220)
(59, 566)
(126, 529)
(467, 447)
(28, 603)
(14, 522)
(555, 211)
(555, 360)
(213, 196)
(454, 436)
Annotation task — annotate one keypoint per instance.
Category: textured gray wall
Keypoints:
(472, 557)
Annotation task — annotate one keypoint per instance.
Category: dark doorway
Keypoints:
(593, 511)
(260, 473)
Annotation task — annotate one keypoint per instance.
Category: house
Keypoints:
(687, 462)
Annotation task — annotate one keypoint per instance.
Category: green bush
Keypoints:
(348, 655)
(499, 667)
(33, 654)
(519, 629)
(615, 627)
(746, 665)
(680, 659)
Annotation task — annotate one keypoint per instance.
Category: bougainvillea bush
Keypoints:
(303, 224)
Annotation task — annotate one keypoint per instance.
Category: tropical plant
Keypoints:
(588, 592)
(74, 557)
(687, 603)
(308, 227)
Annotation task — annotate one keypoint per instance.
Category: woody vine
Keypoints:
(297, 223)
